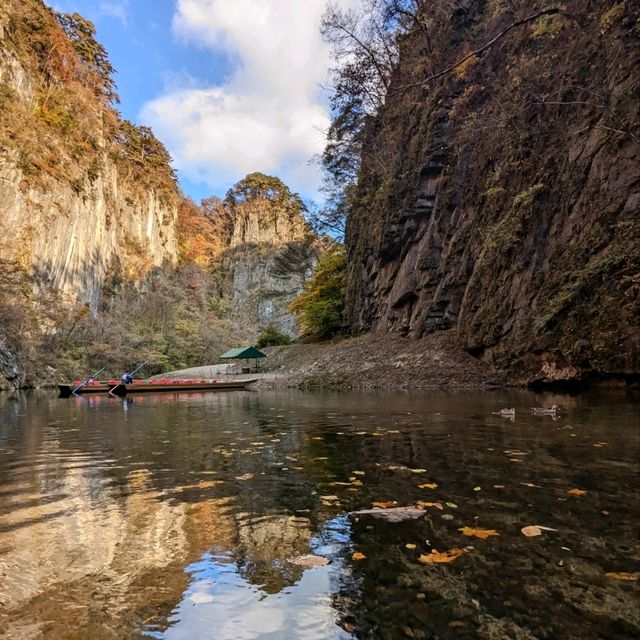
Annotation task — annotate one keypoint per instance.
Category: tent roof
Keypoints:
(244, 352)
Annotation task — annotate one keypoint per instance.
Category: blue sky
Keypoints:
(230, 86)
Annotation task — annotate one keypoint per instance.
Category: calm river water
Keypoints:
(175, 517)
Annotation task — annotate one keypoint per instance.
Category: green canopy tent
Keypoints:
(244, 353)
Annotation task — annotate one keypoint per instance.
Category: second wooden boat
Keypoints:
(152, 386)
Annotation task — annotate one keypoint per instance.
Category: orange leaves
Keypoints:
(358, 556)
(444, 557)
(576, 492)
(384, 504)
(478, 533)
(428, 485)
(623, 575)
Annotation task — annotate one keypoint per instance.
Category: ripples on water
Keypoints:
(175, 517)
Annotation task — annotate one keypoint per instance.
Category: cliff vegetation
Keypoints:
(497, 187)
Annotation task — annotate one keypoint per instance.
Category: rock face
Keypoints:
(502, 199)
(71, 241)
(260, 293)
(70, 233)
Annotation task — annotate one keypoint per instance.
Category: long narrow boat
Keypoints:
(152, 386)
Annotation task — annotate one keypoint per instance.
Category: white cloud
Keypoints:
(269, 115)
(116, 9)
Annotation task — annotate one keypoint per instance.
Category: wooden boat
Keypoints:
(116, 388)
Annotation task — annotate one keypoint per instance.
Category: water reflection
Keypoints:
(175, 516)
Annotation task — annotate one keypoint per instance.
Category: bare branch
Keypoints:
(482, 49)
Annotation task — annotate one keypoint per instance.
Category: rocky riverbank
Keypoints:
(380, 361)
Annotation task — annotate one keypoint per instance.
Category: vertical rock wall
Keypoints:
(258, 295)
(69, 235)
(502, 199)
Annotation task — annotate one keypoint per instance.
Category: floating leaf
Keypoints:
(535, 530)
(425, 505)
(358, 556)
(623, 575)
(576, 492)
(410, 546)
(428, 485)
(358, 473)
(451, 505)
(478, 533)
(245, 476)
(436, 557)
(531, 485)
(328, 498)
(418, 470)
(477, 488)
(531, 531)
(395, 514)
(384, 504)
(310, 560)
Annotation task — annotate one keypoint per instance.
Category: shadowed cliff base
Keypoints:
(381, 361)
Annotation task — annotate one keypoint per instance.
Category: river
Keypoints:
(178, 517)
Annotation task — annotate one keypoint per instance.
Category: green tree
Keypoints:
(82, 34)
(258, 186)
(271, 337)
(320, 307)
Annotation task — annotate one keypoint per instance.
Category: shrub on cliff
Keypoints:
(271, 337)
(320, 306)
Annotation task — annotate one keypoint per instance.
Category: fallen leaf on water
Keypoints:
(623, 575)
(534, 530)
(428, 485)
(531, 485)
(410, 545)
(451, 505)
(478, 533)
(384, 504)
(437, 557)
(418, 470)
(310, 560)
(394, 514)
(531, 531)
(358, 556)
(576, 492)
(497, 486)
(358, 473)
(425, 505)
(477, 488)
(245, 476)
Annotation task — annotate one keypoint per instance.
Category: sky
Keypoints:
(229, 86)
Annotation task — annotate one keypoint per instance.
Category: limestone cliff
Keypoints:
(261, 249)
(501, 197)
(80, 189)
(260, 292)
